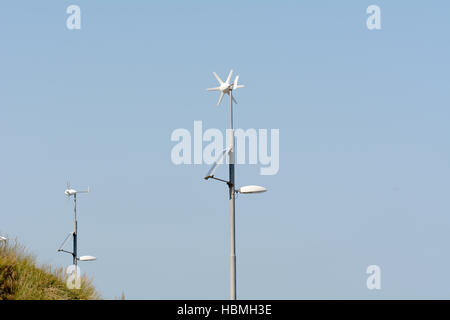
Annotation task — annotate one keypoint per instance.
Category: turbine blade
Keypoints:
(229, 76)
(213, 89)
(220, 99)
(232, 97)
(85, 191)
(235, 83)
(218, 78)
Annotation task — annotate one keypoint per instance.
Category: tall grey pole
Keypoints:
(232, 203)
(75, 260)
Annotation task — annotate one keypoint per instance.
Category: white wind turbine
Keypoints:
(226, 87)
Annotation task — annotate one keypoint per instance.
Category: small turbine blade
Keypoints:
(213, 89)
(218, 78)
(229, 76)
(235, 83)
(232, 97)
(220, 99)
(85, 191)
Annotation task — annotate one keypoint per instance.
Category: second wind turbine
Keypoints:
(69, 192)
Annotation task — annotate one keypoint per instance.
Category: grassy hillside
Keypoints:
(22, 279)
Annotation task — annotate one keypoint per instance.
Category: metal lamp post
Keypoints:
(71, 192)
(227, 88)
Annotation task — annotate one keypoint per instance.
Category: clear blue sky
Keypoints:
(364, 144)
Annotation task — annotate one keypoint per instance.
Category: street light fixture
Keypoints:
(87, 258)
(251, 189)
(226, 87)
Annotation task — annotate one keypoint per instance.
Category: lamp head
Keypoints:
(87, 258)
(251, 189)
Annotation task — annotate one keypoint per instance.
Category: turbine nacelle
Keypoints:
(225, 87)
(70, 192)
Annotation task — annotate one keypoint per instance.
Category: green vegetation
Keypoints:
(22, 279)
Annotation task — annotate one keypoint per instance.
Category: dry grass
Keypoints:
(22, 279)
